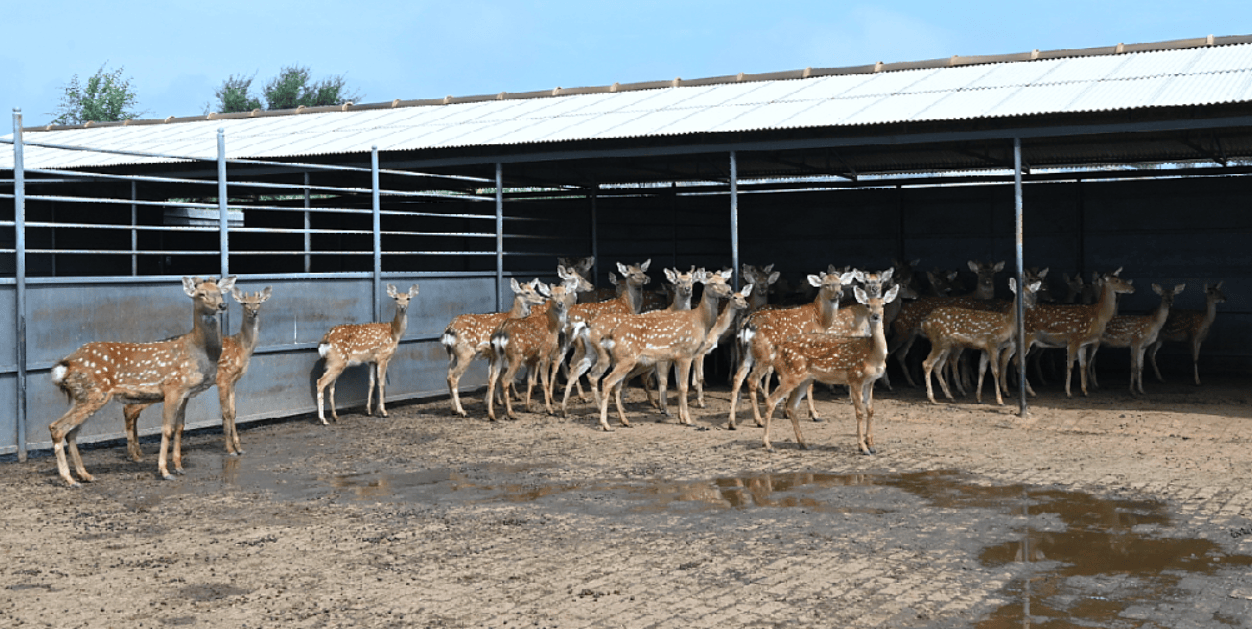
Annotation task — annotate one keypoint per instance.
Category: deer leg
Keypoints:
(868, 389)
(458, 364)
(226, 402)
(862, 420)
(328, 379)
(1082, 370)
(381, 367)
(794, 403)
(64, 433)
(173, 401)
(682, 376)
(900, 346)
(760, 373)
(770, 404)
(1136, 369)
(812, 405)
(578, 365)
(493, 376)
(372, 368)
(740, 374)
(614, 379)
(697, 380)
(1195, 359)
(130, 414)
(1091, 357)
(662, 388)
(1152, 358)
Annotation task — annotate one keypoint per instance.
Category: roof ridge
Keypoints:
(809, 72)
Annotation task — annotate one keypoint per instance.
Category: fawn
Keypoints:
(371, 344)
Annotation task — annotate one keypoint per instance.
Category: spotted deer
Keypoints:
(1072, 326)
(1191, 327)
(671, 337)
(856, 362)
(950, 328)
(231, 366)
(170, 371)
(583, 266)
(469, 335)
(371, 344)
(533, 341)
(628, 301)
(1137, 332)
(763, 279)
(764, 329)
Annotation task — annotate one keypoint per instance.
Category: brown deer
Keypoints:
(583, 266)
(469, 335)
(629, 300)
(1191, 327)
(231, 366)
(1072, 326)
(1138, 332)
(371, 344)
(765, 328)
(663, 337)
(170, 371)
(950, 328)
(856, 362)
(533, 341)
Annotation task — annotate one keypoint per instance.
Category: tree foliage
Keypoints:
(294, 86)
(106, 97)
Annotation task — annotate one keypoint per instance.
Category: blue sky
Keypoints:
(177, 52)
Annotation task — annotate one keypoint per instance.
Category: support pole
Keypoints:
(1021, 289)
(378, 234)
(134, 232)
(734, 217)
(595, 237)
(499, 235)
(19, 237)
(223, 213)
(308, 238)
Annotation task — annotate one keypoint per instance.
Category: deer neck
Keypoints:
(558, 315)
(723, 322)
(827, 310)
(521, 308)
(878, 342)
(633, 296)
(707, 310)
(1106, 308)
(247, 337)
(399, 324)
(206, 332)
(1210, 311)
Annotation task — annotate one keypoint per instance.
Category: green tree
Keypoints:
(233, 96)
(294, 86)
(106, 97)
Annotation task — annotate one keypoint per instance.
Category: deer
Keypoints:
(671, 337)
(583, 266)
(468, 336)
(533, 341)
(231, 366)
(1072, 326)
(1137, 332)
(371, 344)
(764, 329)
(170, 371)
(763, 279)
(628, 301)
(951, 328)
(1189, 326)
(853, 361)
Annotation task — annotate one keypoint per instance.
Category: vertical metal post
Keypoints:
(19, 237)
(499, 235)
(308, 238)
(378, 235)
(1020, 304)
(223, 213)
(734, 217)
(134, 232)
(595, 236)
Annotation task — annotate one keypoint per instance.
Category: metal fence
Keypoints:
(98, 256)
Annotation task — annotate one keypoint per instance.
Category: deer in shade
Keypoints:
(1190, 327)
(1137, 332)
(170, 371)
(370, 344)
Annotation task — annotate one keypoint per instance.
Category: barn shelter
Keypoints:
(1130, 155)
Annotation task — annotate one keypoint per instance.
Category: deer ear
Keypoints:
(973, 266)
(1013, 285)
(413, 291)
(562, 272)
(590, 261)
(860, 295)
(391, 291)
(854, 274)
(915, 262)
(1043, 273)
(235, 292)
(727, 274)
(265, 294)
(544, 290)
(1156, 288)
(886, 275)
(517, 288)
(671, 275)
(621, 268)
(189, 286)
(747, 290)
(999, 266)
(773, 277)
(815, 280)
(768, 268)
(1179, 288)
(1219, 284)
(891, 294)
(646, 263)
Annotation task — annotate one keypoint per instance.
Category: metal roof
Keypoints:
(1203, 74)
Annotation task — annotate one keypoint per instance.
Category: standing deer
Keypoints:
(171, 371)
(765, 328)
(668, 337)
(1072, 326)
(469, 335)
(856, 362)
(371, 344)
(1191, 327)
(952, 328)
(533, 341)
(231, 366)
(1138, 332)
(629, 300)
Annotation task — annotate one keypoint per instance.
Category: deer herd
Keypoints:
(842, 332)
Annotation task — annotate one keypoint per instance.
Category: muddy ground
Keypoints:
(1107, 511)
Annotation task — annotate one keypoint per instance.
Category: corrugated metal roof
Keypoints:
(1131, 80)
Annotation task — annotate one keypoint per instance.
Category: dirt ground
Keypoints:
(1106, 511)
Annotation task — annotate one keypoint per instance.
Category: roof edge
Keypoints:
(953, 61)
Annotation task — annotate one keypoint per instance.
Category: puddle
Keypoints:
(1092, 562)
